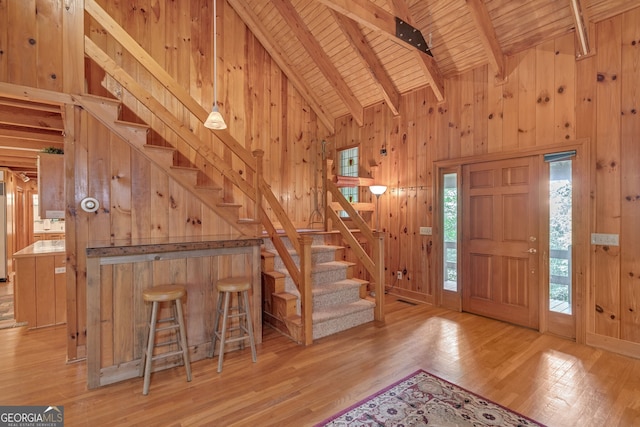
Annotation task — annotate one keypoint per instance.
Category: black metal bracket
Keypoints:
(410, 35)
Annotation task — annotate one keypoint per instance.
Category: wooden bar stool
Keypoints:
(156, 295)
(227, 287)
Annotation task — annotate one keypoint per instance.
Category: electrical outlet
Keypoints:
(399, 275)
(605, 239)
(426, 231)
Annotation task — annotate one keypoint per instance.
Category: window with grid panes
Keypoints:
(348, 159)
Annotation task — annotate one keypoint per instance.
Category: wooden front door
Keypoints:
(500, 240)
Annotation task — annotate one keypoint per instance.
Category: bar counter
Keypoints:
(118, 272)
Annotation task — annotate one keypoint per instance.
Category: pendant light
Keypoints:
(215, 120)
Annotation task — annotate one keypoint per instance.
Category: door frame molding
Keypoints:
(582, 218)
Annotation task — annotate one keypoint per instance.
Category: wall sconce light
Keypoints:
(377, 190)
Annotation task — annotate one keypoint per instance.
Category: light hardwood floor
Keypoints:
(555, 381)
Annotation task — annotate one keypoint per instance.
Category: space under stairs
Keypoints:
(340, 301)
(107, 110)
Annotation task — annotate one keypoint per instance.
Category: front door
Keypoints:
(500, 240)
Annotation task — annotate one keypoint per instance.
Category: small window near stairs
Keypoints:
(348, 166)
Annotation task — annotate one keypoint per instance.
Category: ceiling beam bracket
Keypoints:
(412, 36)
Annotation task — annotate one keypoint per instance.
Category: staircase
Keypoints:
(332, 300)
(340, 301)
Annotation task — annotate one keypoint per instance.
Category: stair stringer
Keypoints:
(107, 111)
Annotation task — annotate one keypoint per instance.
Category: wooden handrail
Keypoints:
(375, 265)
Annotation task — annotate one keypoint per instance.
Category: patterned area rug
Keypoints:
(422, 399)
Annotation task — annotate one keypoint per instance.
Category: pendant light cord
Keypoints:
(215, 56)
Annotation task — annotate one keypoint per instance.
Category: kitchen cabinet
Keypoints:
(40, 284)
(47, 236)
(51, 185)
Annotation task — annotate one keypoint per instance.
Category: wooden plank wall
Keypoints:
(261, 107)
(137, 200)
(547, 98)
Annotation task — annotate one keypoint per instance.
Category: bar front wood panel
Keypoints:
(117, 316)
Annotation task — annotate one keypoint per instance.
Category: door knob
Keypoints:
(532, 250)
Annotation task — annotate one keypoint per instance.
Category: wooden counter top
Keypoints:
(42, 248)
(168, 244)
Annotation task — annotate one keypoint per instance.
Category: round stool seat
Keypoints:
(234, 284)
(164, 293)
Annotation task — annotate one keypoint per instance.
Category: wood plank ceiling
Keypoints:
(343, 55)
(26, 128)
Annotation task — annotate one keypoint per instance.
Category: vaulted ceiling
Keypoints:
(344, 55)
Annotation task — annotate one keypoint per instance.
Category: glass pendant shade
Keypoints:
(215, 120)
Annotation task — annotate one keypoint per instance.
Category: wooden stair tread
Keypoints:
(207, 188)
(248, 221)
(159, 147)
(184, 168)
(132, 125)
(97, 98)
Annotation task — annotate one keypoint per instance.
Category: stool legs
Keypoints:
(249, 325)
(147, 355)
(183, 340)
(245, 325)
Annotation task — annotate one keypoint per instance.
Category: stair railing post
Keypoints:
(258, 178)
(378, 259)
(306, 296)
(328, 175)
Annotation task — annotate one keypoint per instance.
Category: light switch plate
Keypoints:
(426, 231)
(605, 239)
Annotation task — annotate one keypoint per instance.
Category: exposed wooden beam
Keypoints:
(488, 36)
(31, 119)
(371, 61)
(322, 60)
(18, 153)
(581, 22)
(277, 54)
(30, 105)
(18, 162)
(372, 16)
(29, 138)
(34, 94)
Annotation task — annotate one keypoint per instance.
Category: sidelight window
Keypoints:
(560, 235)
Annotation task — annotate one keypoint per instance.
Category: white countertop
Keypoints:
(42, 247)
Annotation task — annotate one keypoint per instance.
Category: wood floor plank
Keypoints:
(552, 380)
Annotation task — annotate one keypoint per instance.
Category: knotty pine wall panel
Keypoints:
(606, 259)
(136, 200)
(630, 182)
(548, 98)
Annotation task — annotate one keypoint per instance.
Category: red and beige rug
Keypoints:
(422, 399)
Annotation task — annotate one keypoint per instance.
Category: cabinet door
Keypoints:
(51, 185)
(61, 288)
